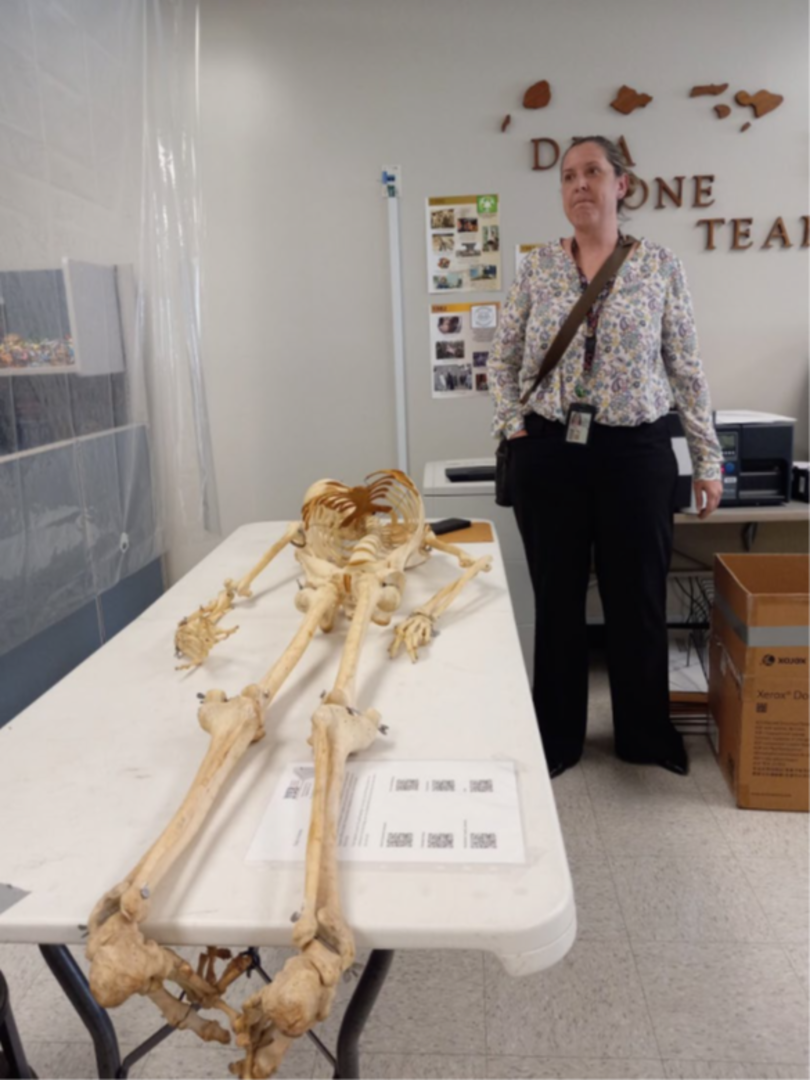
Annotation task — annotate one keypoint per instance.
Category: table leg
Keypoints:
(71, 978)
(13, 1055)
(108, 1056)
(357, 1013)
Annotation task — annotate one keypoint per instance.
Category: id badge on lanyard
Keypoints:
(578, 425)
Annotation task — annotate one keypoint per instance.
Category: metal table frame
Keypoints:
(345, 1061)
(532, 932)
(12, 1056)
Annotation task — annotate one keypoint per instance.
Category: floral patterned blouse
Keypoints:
(646, 353)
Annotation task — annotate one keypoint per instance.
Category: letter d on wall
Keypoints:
(555, 147)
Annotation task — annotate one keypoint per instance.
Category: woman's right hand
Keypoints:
(517, 435)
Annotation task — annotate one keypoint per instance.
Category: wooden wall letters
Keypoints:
(546, 154)
(555, 147)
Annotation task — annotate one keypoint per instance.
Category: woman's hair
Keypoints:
(614, 156)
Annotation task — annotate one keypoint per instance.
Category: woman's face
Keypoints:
(590, 188)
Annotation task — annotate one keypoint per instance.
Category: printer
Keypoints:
(757, 456)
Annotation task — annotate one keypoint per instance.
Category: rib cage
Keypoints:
(370, 549)
(360, 525)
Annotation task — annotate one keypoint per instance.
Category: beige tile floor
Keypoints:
(691, 958)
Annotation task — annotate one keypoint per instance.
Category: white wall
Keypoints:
(304, 100)
(69, 132)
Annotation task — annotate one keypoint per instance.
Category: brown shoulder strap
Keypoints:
(565, 334)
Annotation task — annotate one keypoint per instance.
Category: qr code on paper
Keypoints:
(481, 840)
(440, 840)
(443, 785)
(399, 839)
(407, 785)
(480, 785)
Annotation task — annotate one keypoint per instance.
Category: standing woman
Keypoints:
(591, 465)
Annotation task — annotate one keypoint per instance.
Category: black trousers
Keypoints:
(613, 500)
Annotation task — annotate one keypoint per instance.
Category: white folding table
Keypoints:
(91, 772)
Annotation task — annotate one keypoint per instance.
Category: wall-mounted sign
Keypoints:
(675, 193)
(464, 243)
(461, 337)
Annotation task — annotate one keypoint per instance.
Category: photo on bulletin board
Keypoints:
(463, 243)
(461, 337)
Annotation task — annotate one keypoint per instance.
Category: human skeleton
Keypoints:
(353, 545)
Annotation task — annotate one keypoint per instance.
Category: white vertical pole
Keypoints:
(398, 327)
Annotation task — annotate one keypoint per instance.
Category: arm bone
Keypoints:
(432, 541)
(418, 628)
(198, 633)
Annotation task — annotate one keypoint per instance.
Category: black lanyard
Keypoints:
(592, 318)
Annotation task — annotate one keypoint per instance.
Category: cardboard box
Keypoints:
(759, 690)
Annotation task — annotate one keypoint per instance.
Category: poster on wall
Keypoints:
(461, 337)
(521, 251)
(463, 243)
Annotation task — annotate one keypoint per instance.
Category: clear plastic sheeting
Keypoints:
(75, 520)
(102, 405)
(172, 223)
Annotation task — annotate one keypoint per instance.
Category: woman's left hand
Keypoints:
(713, 491)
